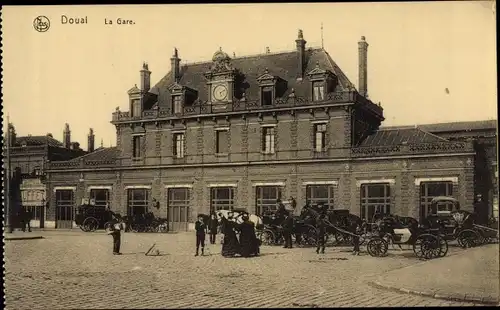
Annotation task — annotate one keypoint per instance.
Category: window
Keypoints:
(221, 198)
(137, 202)
(429, 190)
(267, 95)
(99, 197)
(375, 198)
(37, 171)
(266, 197)
(268, 140)
(178, 145)
(136, 108)
(177, 104)
(136, 146)
(221, 143)
(178, 205)
(319, 137)
(320, 194)
(318, 91)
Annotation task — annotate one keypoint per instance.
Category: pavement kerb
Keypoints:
(23, 238)
(451, 297)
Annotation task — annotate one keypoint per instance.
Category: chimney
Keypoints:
(175, 66)
(12, 134)
(90, 141)
(363, 67)
(145, 78)
(66, 136)
(301, 54)
(75, 146)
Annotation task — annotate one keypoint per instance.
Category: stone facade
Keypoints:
(302, 131)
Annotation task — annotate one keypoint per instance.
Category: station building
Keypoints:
(242, 132)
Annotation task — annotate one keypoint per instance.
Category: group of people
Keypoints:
(247, 245)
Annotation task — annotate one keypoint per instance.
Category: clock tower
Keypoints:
(220, 80)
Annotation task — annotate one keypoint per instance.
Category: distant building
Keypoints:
(29, 157)
(243, 132)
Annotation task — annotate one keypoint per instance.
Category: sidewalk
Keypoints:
(469, 276)
(19, 235)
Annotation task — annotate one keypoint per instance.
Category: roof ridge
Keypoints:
(253, 55)
(95, 151)
(431, 134)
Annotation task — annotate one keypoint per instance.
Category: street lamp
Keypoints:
(8, 175)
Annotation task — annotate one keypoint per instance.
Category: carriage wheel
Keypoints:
(483, 239)
(330, 239)
(339, 237)
(162, 228)
(377, 247)
(83, 227)
(267, 237)
(91, 224)
(429, 246)
(468, 238)
(311, 237)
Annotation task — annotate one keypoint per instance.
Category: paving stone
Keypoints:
(78, 270)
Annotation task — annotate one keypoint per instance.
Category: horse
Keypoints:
(237, 217)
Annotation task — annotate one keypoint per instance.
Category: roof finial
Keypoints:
(266, 70)
(175, 52)
(268, 50)
(102, 145)
(322, 46)
(301, 34)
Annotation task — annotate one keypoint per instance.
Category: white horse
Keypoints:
(237, 216)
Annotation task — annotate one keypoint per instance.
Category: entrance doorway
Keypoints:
(178, 209)
(65, 203)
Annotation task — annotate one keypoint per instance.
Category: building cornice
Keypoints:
(266, 162)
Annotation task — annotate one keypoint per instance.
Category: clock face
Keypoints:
(220, 92)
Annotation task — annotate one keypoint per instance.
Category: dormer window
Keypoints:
(177, 104)
(319, 91)
(270, 87)
(136, 108)
(267, 95)
(182, 96)
(323, 82)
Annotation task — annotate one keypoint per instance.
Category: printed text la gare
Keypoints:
(118, 21)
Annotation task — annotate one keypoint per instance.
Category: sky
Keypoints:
(427, 61)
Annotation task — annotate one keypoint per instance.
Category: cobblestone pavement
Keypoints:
(78, 270)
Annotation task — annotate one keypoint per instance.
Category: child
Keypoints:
(200, 228)
(213, 225)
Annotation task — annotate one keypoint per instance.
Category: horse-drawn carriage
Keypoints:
(90, 217)
(457, 224)
(145, 222)
(271, 232)
(426, 243)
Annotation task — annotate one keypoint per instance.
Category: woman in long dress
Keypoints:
(231, 246)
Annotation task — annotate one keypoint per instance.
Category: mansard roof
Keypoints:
(400, 136)
(460, 126)
(37, 140)
(100, 154)
(283, 65)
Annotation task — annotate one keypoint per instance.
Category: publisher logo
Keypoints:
(41, 24)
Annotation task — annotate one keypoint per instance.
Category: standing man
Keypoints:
(287, 230)
(321, 233)
(116, 233)
(213, 225)
(27, 219)
(200, 228)
(480, 210)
